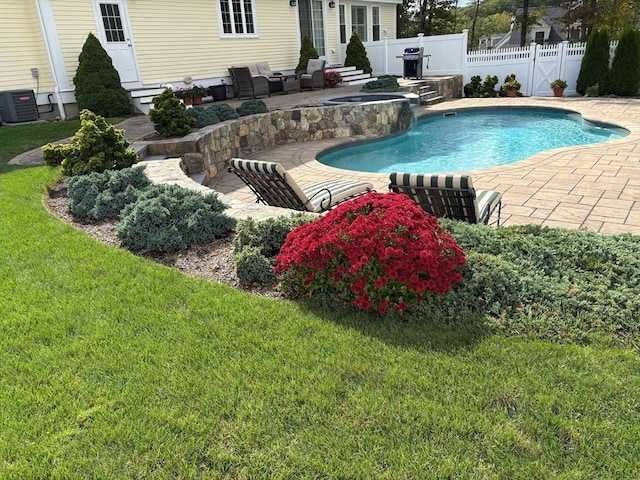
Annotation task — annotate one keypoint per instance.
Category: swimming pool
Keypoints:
(471, 139)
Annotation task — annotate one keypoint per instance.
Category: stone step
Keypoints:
(359, 81)
(432, 100)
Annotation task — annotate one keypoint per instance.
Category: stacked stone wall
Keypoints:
(218, 143)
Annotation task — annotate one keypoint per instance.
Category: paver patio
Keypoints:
(595, 187)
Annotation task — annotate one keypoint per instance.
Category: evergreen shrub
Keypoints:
(307, 51)
(379, 251)
(624, 80)
(565, 285)
(98, 196)
(204, 116)
(169, 115)
(97, 82)
(594, 68)
(252, 267)
(476, 88)
(96, 146)
(224, 111)
(251, 107)
(357, 54)
(383, 84)
(169, 218)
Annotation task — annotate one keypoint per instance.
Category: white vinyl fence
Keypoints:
(535, 66)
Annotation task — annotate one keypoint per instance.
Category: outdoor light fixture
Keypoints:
(332, 4)
(292, 3)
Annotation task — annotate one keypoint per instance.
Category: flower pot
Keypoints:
(558, 91)
(187, 100)
(197, 100)
(512, 92)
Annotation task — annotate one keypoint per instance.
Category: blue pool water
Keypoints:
(471, 139)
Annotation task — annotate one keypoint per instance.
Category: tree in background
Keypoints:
(437, 17)
(307, 51)
(97, 82)
(357, 54)
(594, 69)
(625, 68)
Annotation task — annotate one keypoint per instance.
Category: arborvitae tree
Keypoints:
(625, 68)
(595, 63)
(307, 51)
(357, 54)
(97, 82)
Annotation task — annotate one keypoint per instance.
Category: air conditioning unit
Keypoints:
(18, 106)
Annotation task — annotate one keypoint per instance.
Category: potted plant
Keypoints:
(196, 93)
(183, 94)
(511, 85)
(558, 86)
(332, 78)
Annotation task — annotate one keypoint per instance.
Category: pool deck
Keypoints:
(594, 187)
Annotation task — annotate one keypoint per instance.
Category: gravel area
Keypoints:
(213, 261)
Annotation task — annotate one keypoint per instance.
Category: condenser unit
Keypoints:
(18, 106)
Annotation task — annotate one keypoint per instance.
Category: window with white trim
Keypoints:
(343, 24)
(359, 21)
(237, 17)
(375, 23)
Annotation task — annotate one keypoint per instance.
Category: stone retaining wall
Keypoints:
(215, 145)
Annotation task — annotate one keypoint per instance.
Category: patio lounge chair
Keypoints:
(274, 186)
(249, 86)
(314, 76)
(448, 196)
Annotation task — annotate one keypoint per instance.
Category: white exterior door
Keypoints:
(115, 37)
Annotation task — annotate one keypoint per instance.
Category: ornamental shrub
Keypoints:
(379, 251)
(307, 51)
(204, 116)
(625, 68)
(565, 285)
(99, 196)
(594, 68)
(478, 89)
(169, 115)
(96, 146)
(270, 234)
(224, 111)
(357, 54)
(169, 218)
(97, 82)
(251, 107)
(383, 84)
(252, 267)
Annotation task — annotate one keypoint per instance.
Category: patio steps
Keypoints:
(352, 76)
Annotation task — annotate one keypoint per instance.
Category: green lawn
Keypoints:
(112, 366)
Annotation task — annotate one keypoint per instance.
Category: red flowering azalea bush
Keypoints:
(379, 250)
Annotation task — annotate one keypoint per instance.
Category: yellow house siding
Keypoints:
(74, 21)
(173, 42)
(388, 21)
(22, 47)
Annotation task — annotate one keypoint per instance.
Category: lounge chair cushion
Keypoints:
(450, 196)
(264, 69)
(274, 186)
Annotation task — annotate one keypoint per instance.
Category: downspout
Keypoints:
(56, 88)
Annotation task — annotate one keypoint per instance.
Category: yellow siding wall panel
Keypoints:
(189, 44)
(22, 47)
(74, 21)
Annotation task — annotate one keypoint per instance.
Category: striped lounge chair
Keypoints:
(274, 186)
(448, 196)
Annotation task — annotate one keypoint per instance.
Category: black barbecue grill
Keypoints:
(412, 59)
